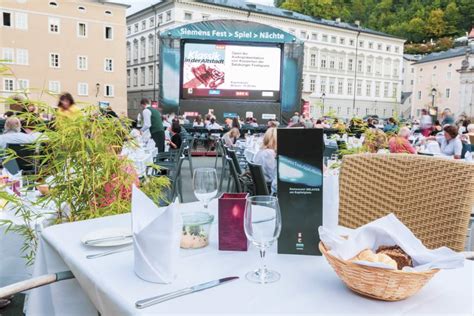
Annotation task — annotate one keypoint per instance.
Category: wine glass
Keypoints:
(205, 184)
(262, 225)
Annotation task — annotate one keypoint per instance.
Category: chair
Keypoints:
(234, 176)
(25, 157)
(176, 183)
(260, 186)
(432, 196)
(188, 142)
(233, 155)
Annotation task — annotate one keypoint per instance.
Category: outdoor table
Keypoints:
(308, 284)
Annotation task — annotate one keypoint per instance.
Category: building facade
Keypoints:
(437, 81)
(408, 81)
(348, 70)
(466, 74)
(57, 46)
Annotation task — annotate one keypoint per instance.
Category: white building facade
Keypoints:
(348, 70)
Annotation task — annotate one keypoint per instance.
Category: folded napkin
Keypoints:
(156, 238)
(389, 231)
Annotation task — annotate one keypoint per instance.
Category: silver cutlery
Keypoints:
(189, 290)
(110, 252)
(111, 238)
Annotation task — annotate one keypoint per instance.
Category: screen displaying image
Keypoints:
(223, 71)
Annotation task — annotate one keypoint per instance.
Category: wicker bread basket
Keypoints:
(378, 283)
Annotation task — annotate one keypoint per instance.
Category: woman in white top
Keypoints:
(266, 156)
(198, 122)
(12, 134)
(230, 138)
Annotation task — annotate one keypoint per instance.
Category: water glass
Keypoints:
(262, 225)
(205, 184)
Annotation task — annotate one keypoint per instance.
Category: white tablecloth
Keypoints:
(307, 285)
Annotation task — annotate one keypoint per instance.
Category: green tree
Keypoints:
(453, 18)
(435, 24)
(415, 30)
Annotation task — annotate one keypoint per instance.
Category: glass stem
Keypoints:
(262, 272)
(206, 203)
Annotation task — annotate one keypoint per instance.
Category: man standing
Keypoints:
(152, 121)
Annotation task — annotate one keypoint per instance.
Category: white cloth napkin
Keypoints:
(389, 231)
(156, 238)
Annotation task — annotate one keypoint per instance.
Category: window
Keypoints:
(21, 21)
(128, 78)
(312, 84)
(160, 18)
(448, 93)
(361, 44)
(150, 75)
(22, 56)
(340, 85)
(142, 47)
(108, 32)
(448, 75)
(53, 3)
(333, 39)
(359, 65)
(349, 64)
(323, 62)
(109, 65)
(8, 84)
(312, 61)
(314, 36)
(331, 64)
(135, 27)
(7, 19)
(168, 16)
(152, 22)
(151, 46)
(129, 51)
(377, 88)
(129, 30)
(292, 31)
(385, 89)
(81, 29)
(108, 12)
(351, 42)
(54, 86)
(325, 38)
(394, 90)
(323, 85)
(388, 48)
(142, 76)
(205, 17)
(81, 9)
(350, 90)
(109, 90)
(369, 67)
(341, 64)
(342, 41)
(135, 49)
(82, 62)
(54, 24)
(359, 88)
(188, 16)
(143, 25)
(23, 84)
(368, 88)
(53, 60)
(371, 45)
(332, 88)
(135, 77)
(419, 95)
(379, 46)
(397, 49)
(8, 55)
(303, 34)
(82, 89)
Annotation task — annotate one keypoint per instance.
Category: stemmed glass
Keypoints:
(205, 184)
(262, 225)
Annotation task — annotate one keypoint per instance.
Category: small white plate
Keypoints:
(108, 232)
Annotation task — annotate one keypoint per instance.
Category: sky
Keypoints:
(137, 5)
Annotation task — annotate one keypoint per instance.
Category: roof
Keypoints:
(450, 53)
(412, 57)
(126, 6)
(274, 11)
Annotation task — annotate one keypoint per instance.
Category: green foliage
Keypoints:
(416, 20)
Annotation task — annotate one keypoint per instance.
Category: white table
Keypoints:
(308, 283)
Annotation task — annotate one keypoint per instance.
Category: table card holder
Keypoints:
(300, 189)
(231, 222)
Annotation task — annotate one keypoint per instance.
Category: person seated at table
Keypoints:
(266, 156)
(231, 137)
(272, 123)
(449, 142)
(12, 133)
(437, 128)
(175, 141)
(399, 144)
(198, 122)
(391, 126)
(370, 123)
(469, 135)
(318, 124)
(67, 107)
(235, 123)
(213, 125)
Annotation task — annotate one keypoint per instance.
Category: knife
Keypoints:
(111, 238)
(189, 290)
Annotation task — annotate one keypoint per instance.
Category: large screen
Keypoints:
(221, 71)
